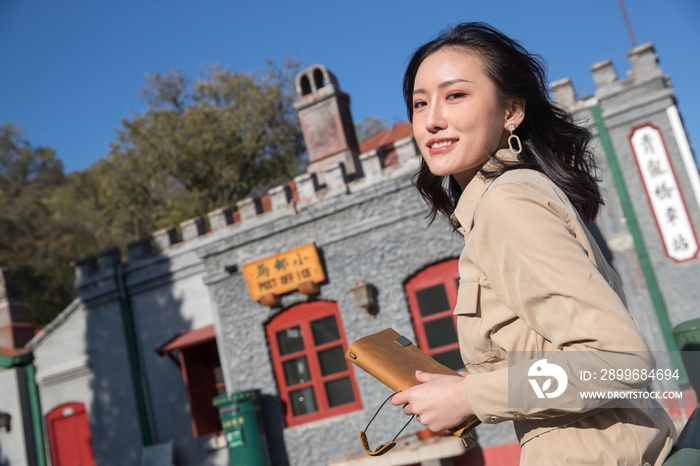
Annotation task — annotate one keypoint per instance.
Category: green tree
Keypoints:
(35, 244)
(196, 147)
(201, 145)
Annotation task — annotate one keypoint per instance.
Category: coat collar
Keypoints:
(474, 191)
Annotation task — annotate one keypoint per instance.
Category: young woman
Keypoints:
(514, 175)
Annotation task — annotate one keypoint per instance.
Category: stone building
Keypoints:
(261, 297)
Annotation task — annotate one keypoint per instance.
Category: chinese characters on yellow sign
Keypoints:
(283, 272)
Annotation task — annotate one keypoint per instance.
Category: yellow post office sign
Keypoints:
(283, 272)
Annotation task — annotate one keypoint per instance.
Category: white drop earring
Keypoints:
(511, 128)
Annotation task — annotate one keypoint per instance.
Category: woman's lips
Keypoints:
(436, 145)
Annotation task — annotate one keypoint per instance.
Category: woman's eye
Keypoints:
(456, 95)
(418, 104)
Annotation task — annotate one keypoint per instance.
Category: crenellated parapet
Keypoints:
(635, 89)
(84, 268)
(139, 249)
(220, 218)
(165, 238)
(296, 196)
(288, 199)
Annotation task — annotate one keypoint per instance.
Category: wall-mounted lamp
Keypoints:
(5, 421)
(363, 295)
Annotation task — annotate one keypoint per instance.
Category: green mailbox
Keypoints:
(687, 336)
(243, 428)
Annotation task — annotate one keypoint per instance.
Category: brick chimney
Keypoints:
(324, 113)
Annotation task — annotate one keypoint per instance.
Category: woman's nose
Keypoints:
(436, 119)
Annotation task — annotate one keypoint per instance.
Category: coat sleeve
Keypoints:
(528, 251)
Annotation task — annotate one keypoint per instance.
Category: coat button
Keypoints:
(494, 419)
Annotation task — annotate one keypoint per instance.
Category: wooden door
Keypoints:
(69, 436)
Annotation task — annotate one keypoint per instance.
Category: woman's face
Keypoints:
(457, 120)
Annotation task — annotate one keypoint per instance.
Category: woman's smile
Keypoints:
(437, 145)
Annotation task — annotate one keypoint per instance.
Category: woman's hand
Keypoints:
(439, 402)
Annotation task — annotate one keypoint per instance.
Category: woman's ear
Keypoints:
(515, 112)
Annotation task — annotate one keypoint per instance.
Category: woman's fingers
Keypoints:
(404, 397)
(399, 398)
(424, 377)
(439, 401)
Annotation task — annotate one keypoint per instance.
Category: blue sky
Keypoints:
(71, 70)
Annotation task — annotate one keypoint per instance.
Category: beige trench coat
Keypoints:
(532, 279)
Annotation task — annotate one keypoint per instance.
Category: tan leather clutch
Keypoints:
(393, 360)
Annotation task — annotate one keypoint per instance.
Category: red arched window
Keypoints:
(307, 344)
(432, 297)
(69, 436)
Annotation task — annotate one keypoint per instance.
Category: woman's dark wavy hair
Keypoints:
(551, 143)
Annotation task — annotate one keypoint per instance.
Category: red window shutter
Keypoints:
(198, 373)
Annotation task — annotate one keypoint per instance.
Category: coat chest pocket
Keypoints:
(474, 340)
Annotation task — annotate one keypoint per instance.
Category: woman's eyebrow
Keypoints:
(444, 84)
(453, 81)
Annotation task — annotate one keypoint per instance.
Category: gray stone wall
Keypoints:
(14, 444)
(159, 314)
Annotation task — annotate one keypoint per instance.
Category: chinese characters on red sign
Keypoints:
(664, 195)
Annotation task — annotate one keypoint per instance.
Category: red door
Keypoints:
(69, 436)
